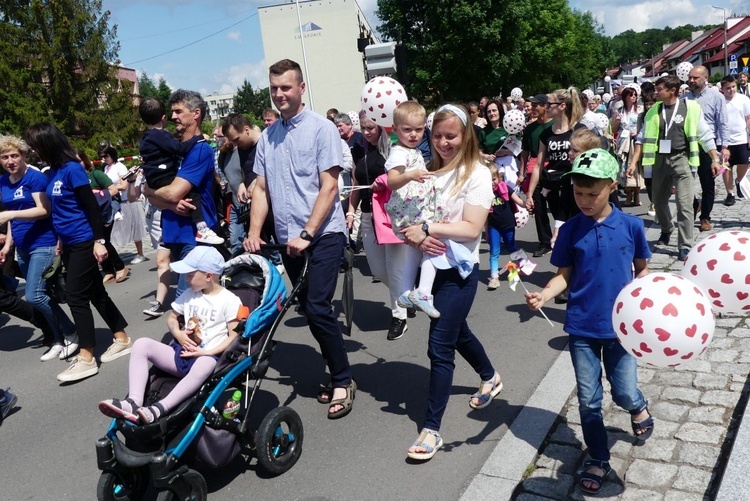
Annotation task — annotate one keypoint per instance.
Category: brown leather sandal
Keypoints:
(347, 402)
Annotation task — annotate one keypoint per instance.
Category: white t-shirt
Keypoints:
(477, 190)
(115, 172)
(213, 312)
(737, 111)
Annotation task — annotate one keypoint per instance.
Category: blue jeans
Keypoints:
(622, 373)
(453, 297)
(495, 236)
(32, 264)
(236, 231)
(177, 252)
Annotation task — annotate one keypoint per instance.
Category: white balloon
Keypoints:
(664, 74)
(683, 69)
(380, 97)
(516, 94)
(521, 217)
(430, 117)
(354, 117)
(606, 97)
(601, 122)
(720, 266)
(608, 79)
(588, 93)
(514, 121)
(663, 319)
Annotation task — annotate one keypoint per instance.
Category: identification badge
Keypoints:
(665, 146)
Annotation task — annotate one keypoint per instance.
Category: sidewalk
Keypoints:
(698, 408)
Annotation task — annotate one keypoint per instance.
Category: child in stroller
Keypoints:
(216, 310)
(193, 434)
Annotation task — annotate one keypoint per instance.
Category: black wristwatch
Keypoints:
(426, 228)
(306, 236)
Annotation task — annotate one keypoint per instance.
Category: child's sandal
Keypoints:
(645, 427)
(422, 442)
(114, 408)
(486, 398)
(598, 480)
(150, 414)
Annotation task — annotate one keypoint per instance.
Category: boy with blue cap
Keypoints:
(596, 252)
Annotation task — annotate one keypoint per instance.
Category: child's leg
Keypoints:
(509, 240)
(412, 258)
(196, 215)
(426, 276)
(622, 374)
(147, 350)
(493, 239)
(199, 372)
(586, 356)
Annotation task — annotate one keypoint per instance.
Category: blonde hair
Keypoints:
(10, 143)
(585, 139)
(468, 154)
(408, 109)
(572, 100)
(384, 141)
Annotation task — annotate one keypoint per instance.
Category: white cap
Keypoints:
(202, 258)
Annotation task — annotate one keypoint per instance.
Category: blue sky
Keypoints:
(227, 48)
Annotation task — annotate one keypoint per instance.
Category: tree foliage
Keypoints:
(58, 63)
(630, 46)
(249, 101)
(148, 88)
(461, 49)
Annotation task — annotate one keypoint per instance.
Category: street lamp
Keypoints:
(726, 64)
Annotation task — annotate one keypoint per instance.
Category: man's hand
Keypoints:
(242, 193)
(724, 155)
(252, 243)
(529, 203)
(297, 246)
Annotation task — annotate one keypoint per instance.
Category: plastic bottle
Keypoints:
(232, 407)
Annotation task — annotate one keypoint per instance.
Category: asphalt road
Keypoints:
(47, 443)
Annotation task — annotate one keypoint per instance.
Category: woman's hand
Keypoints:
(432, 246)
(100, 252)
(377, 187)
(413, 235)
(529, 203)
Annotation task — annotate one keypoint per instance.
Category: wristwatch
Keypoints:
(100, 241)
(426, 228)
(306, 236)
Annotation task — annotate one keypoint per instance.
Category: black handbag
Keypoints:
(55, 277)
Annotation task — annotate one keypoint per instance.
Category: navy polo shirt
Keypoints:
(601, 256)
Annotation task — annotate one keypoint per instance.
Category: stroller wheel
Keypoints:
(112, 486)
(279, 441)
(198, 488)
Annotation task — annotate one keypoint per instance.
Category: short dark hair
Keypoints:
(151, 110)
(270, 111)
(587, 181)
(727, 79)
(669, 82)
(285, 65)
(192, 99)
(111, 152)
(236, 121)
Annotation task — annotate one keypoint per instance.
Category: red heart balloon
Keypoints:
(619, 306)
(690, 331)
(711, 264)
(718, 304)
(381, 106)
(674, 290)
(638, 326)
(713, 293)
(669, 309)
(637, 353)
(378, 95)
(686, 357)
(623, 330)
(670, 352)
(662, 334)
(644, 347)
(738, 256)
(388, 92)
(658, 278)
(694, 269)
(635, 292)
(724, 247)
(742, 295)
(726, 279)
(704, 338)
(646, 303)
(700, 247)
(701, 308)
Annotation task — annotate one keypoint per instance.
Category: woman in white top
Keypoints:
(466, 186)
(625, 123)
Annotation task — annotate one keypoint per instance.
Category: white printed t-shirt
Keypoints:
(213, 313)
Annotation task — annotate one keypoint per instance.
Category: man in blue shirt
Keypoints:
(714, 109)
(297, 163)
(196, 171)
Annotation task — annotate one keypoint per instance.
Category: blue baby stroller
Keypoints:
(195, 434)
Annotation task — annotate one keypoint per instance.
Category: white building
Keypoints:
(332, 29)
(219, 105)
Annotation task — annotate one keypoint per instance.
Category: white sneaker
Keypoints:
(207, 236)
(116, 350)
(79, 369)
(139, 259)
(52, 352)
(70, 347)
(424, 302)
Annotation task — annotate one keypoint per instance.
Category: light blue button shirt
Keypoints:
(291, 154)
(714, 109)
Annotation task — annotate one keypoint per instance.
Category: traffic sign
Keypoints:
(733, 57)
(746, 69)
(732, 64)
(733, 71)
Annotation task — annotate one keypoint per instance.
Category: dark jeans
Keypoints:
(453, 297)
(708, 185)
(541, 217)
(11, 304)
(84, 289)
(323, 272)
(113, 263)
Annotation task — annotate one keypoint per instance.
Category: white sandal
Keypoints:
(429, 450)
(486, 398)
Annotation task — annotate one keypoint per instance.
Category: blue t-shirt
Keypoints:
(68, 214)
(27, 235)
(198, 169)
(601, 255)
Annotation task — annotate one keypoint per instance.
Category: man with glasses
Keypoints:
(674, 131)
(530, 140)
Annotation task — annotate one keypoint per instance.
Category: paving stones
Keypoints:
(651, 474)
(701, 433)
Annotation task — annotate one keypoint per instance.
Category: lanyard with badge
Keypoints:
(665, 145)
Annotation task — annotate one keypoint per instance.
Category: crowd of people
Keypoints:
(417, 199)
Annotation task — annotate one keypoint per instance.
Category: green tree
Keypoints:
(249, 101)
(146, 85)
(163, 91)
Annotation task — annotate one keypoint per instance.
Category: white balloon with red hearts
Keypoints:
(430, 118)
(514, 122)
(663, 319)
(380, 97)
(522, 217)
(720, 266)
(354, 117)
